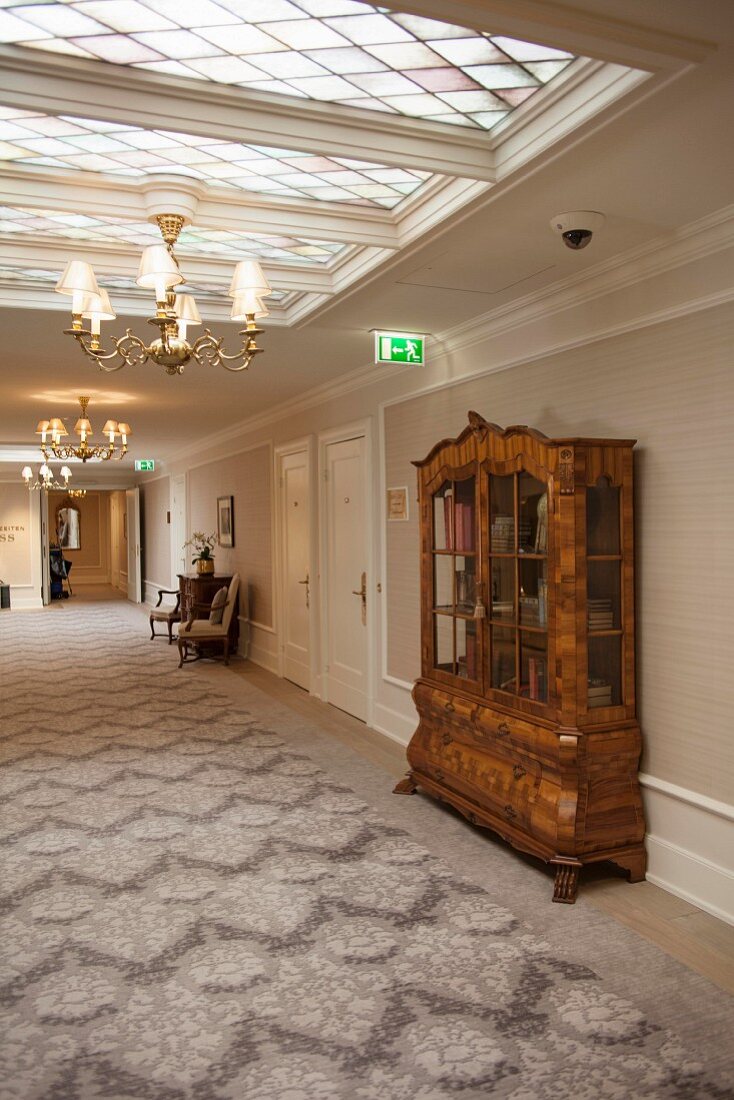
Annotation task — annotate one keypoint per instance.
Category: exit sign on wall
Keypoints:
(145, 464)
(400, 347)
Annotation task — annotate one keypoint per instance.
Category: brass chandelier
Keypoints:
(175, 313)
(84, 451)
(47, 480)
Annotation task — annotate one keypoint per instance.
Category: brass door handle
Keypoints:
(362, 593)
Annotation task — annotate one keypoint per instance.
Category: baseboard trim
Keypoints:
(691, 877)
(262, 647)
(398, 727)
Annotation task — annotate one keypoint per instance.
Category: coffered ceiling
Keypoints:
(386, 166)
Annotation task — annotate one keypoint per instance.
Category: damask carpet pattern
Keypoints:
(193, 910)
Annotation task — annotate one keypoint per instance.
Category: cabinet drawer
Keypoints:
(507, 786)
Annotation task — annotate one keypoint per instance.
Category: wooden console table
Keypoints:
(201, 588)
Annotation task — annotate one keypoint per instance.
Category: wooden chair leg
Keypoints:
(181, 652)
(152, 630)
(170, 631)
(226, 651)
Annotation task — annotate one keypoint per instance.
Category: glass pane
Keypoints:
(466, 590)
(533, 525)
(502, 513)
(443, 626)
(443, 510)
(602, 518)
(604, 603)
(533, 593)
(605, 671)
(466, 649)
(503, 589)
(464, 497)
(502, 663)
(443, 581)
(534, 666)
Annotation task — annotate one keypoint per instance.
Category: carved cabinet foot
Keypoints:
(634, 863)
(406, 786)
(566, 884)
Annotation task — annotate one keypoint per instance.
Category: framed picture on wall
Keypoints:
(225, 520)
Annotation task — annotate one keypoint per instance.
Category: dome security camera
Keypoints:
(576, 227)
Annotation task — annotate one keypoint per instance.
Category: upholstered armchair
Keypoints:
(165, 613)
(211, 632)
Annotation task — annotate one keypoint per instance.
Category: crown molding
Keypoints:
(567, 27)
(692, 242)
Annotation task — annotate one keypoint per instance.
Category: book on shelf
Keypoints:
(502, 609)
(542, 601)
(598, 692)
(448, 516)
(536, 678)
(464, 513)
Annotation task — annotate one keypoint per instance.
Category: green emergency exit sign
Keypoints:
(145, 464)
(400, 347)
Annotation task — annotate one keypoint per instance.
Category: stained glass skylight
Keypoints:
(339, 51)
(15, 222)
(90, 145)
(202, 288)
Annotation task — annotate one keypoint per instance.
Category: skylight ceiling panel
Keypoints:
(318, 49)
(215, 243)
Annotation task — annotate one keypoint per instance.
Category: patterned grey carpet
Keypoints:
(194, 910)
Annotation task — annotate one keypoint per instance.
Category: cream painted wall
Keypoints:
(247, 477)
(641, 349)
(671, 387)
(155, 512)
(20, 545)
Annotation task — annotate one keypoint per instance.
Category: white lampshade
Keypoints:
(125, 430)
(110, 430)
(98, 308)
(158, 271)
(45, 471)
(248, 303)
(187, 309)
(26, 473)
(78, 275)
(42, 428)
(65, 473)
(57, 427)
(78, 280)
(248, 276)
(187, 312)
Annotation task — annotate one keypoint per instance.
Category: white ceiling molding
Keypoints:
(566, 27)
(704, 237)
(31, 80)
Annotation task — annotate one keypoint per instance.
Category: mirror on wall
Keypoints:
(68, 526)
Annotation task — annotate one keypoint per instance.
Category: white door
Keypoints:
(178, 527)
(45, 559)
(346, 576)
(297, 580)
(134, 572)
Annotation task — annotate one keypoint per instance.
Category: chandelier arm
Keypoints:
(208, 350)
(130, 349)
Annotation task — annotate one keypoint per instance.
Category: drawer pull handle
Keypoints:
(503, 729)
(510, 812)
(446, 739)
(518, 771)
(439, 776)
(450, 706)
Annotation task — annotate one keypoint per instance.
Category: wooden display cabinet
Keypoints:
(527, 693)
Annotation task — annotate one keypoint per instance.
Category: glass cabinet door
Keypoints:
(518, 582)
(604, 595)
(453, 552)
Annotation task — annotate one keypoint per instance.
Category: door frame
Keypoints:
(306, 444)
(355, 429)
(180, 480)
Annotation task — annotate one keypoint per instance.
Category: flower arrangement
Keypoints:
(203, 545)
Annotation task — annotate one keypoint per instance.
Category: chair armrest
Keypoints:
(169, 592)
